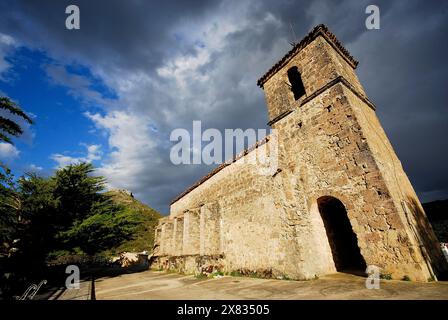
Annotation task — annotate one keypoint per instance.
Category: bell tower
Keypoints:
(313, 64)
(333, 146)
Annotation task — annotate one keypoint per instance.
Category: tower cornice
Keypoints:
(320, 30)
(329, 85)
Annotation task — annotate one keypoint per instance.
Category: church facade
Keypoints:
(339, 200)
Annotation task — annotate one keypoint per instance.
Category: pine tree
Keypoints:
(9, 127)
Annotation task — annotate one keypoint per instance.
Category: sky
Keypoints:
(111, 92)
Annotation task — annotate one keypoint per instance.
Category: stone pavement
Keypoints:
(83, 293)
(161, 285)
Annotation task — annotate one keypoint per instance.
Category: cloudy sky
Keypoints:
(112, 92)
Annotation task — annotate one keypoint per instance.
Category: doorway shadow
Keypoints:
(343, 241)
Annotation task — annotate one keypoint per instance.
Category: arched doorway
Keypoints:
(343, 242)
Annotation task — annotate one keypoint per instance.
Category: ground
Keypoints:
(171, 286)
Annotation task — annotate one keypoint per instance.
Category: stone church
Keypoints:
(338, 202)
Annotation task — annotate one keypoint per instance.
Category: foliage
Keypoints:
(217, 274)
(236, 273)
(9, 202)
(86, 218)
(39, 219)
(386, 276)
(8, 206)
(68, 213)
(107, 226)
(147, 218)
(406, 278)
(7, 126)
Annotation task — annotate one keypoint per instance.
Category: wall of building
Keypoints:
(318, 64)
(330, 143)
(333, 153)
(237, 213)
(422, 244)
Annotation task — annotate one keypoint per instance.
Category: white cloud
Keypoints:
(7, 43)
(182, 67)
(93, 153)
(79, 86)
(34, 168)
(130, 138)
(185, 87)
(213, 79)
(8, 151)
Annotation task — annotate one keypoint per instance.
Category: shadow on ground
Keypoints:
(155, 285)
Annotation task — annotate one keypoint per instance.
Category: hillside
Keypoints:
(144, 237)
(437, 212)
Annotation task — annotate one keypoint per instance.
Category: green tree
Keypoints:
(9, 200)
(67, 212)
(77, 190)
(9, 206)
(108, 226)
(7, 126)
(40, 219)
(90, 220)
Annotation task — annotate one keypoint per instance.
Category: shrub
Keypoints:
(386, 276)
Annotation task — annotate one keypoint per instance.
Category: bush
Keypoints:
(235, 274)
(386, 276)
(406, 278)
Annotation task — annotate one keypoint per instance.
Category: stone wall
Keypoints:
(330, 144)
(238, 219)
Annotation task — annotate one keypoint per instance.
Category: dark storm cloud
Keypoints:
(129, 34)
(402, 67)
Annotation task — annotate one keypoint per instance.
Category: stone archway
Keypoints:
(343, 241)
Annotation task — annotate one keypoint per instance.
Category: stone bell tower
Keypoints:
(339, 165)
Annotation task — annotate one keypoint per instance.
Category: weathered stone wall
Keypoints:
(318, 64)
(330, 144)
(178, 235)
(210, 230)
(333, 153)
(423, 244)
(235, 215)
(191, 234)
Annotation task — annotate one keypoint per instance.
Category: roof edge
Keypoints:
(221, 166)
(320, 29)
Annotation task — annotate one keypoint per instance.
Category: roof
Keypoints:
(222, 166)
(321, 30)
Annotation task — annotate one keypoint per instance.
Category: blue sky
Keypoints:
(112, 92)
(60, 125)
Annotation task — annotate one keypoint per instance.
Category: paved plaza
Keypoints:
(161, 285)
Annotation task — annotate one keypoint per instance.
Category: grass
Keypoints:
(253, 274)
(147, 217)
(217, 274)
(386, 276)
